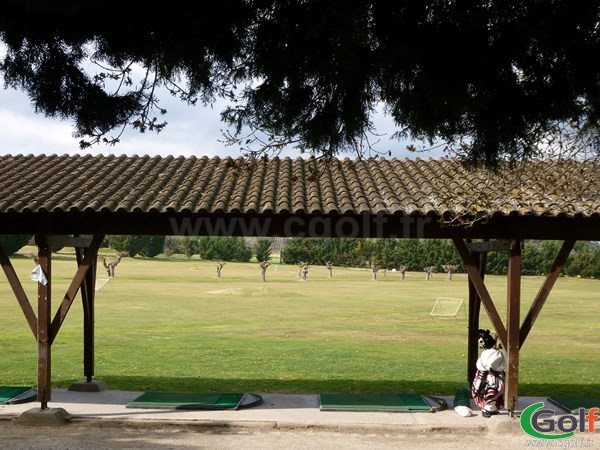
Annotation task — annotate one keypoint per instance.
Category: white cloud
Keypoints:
(29, 134)
(191, 130)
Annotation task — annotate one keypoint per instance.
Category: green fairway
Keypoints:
(171, 325)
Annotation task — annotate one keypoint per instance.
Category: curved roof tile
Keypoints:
(303, 186)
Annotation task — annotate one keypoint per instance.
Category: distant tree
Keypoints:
(188, 245)
(329, 266)
(402, 270)
(263, 269)
(220, 265)
(497, 263)
(428, 272)
(229, 248)
(33, 256)
(131, 244)
(153, 246)
(303, 270)
(172, 245)
(449, 269)
(538, 256)
(584, 261)
(300, 267)
(374, 270)
(263, 249)
(110, 263)
(297, 250)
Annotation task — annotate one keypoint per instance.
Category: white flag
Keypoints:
(38, 275)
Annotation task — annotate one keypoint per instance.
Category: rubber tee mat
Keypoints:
(374, 402)
(16, 394)
(572, 404)
(187, 400)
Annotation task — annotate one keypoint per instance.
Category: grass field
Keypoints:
(170, 324)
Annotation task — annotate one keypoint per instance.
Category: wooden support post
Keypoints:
(513, 326)
(44, 386)
(87, 299)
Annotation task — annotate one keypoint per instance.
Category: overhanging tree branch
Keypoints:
(490, 79)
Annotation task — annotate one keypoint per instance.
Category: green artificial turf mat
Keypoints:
(187, 400)
(574, 403)
(374, 402)
(7, 393)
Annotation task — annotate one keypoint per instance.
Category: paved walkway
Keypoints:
(275, 411)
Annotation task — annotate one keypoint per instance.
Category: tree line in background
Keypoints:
(413, 254)
(425, 254)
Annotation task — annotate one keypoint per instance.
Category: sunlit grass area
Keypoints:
(171, 324)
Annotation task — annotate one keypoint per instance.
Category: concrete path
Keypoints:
(275, 411)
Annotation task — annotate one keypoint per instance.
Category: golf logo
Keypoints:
(537, 421)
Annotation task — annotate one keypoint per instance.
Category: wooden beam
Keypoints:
(44, 385)
(73, 289)
(542, 295)
(488, 246)
(61, 240)
(19, 292)
(513, 321)
(486, 299)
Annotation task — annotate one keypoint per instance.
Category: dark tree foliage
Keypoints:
(132, 245)
(585, 261)
(263, 249)
(227, 248)
(12, 243)
(415, 255)
(488, 77)
(153, 246)
(188, 245)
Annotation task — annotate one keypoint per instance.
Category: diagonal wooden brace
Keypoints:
(88, 260)
(478, 284)
(544, 291)
(19, 292)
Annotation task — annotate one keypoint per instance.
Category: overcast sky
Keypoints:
(191, 130)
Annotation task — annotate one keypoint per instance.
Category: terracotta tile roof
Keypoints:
(292, 186)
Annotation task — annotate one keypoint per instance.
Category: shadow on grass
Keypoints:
(308, 386)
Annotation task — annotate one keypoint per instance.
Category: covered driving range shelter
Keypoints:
(78, 200)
